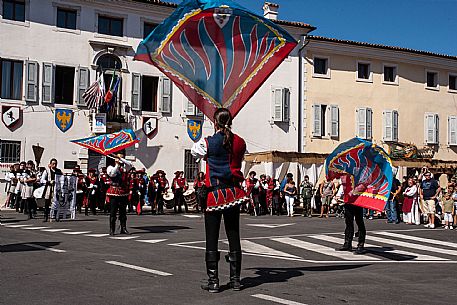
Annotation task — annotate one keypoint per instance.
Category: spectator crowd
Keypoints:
(418, 199)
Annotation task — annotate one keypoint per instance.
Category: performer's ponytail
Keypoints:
(223, 121)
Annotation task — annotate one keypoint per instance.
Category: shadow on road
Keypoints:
(159, 229)
(24, 247)
(281, 275)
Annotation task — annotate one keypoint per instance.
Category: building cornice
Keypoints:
(381, 52)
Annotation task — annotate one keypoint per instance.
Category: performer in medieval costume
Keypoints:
(93, 187)
(20, 185)
(162, 187)
(29, 178)
(142, 190)
(118, 193)
(81, 187)
(223, 153)
(11, 183)
(48, 179)
(152, 193)
(104, 182)
(200, 191)
(252, 188)
(179, 186)
(133, 190)
(350, 212)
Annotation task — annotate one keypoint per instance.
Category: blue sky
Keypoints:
(429, 25)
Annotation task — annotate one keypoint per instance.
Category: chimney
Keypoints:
(270, 10)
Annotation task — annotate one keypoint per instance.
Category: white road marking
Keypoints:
(76, 233)
(55, 230)
(45, 248)
(420, 239)
(34, 228)
(192, 216)
(375, 248)
(412, 246)
(321, 249)
(269, 226)
(124, 237)
(151, 241)
(96, 235)
(276, 300)
(157, 272)
(16, 226)
(252, 247)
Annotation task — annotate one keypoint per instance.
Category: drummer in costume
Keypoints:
(162, 187)
(118, 193)
(133, 190)
(93, 187)
(142, 189)
(48, 179)
(200, 190)
(152, 193)
(223, 152)
(179, 186)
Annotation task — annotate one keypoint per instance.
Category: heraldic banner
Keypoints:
(64, 201)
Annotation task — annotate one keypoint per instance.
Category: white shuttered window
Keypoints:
(191, 109)
(280, 104)
(166, 95)
(390, 125)
(31, 81)
(431, 128)
(364, 123)
(48, 83)
(83, 83)
(334, 121)
(317, 120)
(136, 91)
(452, 130)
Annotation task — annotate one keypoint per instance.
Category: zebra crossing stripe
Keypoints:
(76, 233)
(413, 246)
(252, 247)
(322, 249)
(34, 228)
(151, 241)
(96, 235)
(374, 248)
(275, 299)
(124, 237)
(16, 226)
(55, 230)
(420, 239)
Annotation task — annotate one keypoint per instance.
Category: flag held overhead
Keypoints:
(109, 143)
(368, 168)
(217, 52)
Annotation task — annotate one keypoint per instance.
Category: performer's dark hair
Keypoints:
(53, 159)
(223, 121)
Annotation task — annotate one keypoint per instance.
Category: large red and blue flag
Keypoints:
(369, 170)
(217, 52)
(109, 143)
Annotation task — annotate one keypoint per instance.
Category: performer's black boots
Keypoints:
(360, 249)
(347, 246)
(124, 227)
(212, 260)
(234, 259)
(112, 225)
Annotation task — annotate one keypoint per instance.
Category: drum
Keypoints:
(168, 199)
(190, 197)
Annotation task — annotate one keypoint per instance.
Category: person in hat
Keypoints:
(93, 187)
(223, 152)
(118, 193)
(179, 186)
(133, 190)
(152, 193)
(200, 191)
(162, 187)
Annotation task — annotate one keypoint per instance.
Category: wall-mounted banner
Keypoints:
(11, 115)
(64, 119)
(99, 123)
(194, 129)
(150, 126)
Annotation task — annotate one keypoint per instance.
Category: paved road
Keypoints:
(286, 261)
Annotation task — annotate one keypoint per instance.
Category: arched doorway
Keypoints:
(110, 65)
